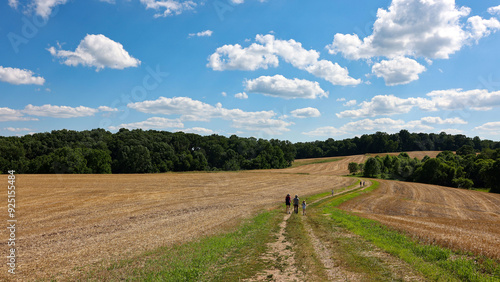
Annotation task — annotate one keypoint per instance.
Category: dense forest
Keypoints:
(465, 169)
(139, 151)
(382, 142)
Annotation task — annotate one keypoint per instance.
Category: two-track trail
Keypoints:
(329, 247)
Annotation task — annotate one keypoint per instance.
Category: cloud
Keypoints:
(349, 103)
(13, 3)
(107, 109)
(453, 131)
(12, 129)
(167, 8)
(340, 99)
(438, 120)
(490, 127)
(266, 53)
(62, 111)
(198, 130)
(7, 114)
(305, 112)
(279, 86)
(267, 126)
(194, 110)
(44, 7)
(451, 99)
(383, 124)
(457, 99)
(494, 10)
(387, 125)
(399, 70)
(151, 123)
(97, 51)
(480, 27)
(205, 33)
(19, 76)
(242, 95)
(384, 105)
(325, 131)
(429, 29)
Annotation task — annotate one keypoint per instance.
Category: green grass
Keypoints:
(225, 257)
(434, 262)
(305, 257)
(314, 161)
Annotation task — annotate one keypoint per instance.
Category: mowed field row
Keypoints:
(70, 221)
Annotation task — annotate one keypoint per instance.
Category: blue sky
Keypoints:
(292, 70)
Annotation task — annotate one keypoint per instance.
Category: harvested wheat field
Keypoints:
(70, 221)
(455, 218)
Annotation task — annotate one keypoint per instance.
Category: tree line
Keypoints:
(139, 151)
(381, 142)
(465, 169)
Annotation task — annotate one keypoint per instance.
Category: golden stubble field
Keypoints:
(69, 221)
(66, 222)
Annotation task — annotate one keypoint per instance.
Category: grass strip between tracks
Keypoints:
(434, 262)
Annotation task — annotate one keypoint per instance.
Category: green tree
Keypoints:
(372, 168)
(353, 167)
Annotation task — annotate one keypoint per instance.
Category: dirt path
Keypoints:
(282, 262)
(281, 259)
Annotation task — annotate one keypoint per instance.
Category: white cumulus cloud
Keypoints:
(451, 99)
(399, 70)
(384, 105)
(490, 127)
(8, 114)
(241, 95)
(494, 10)
(151, 123)
(325, 131)
(480, 27)
(280, 86)
(266, 52)
(19, 76)
(165, 8)
(62, 111)
(306, 112)
(97, 51)
(429, 29)
(349, 103)
(205, 33)
(194, 110)
(44, 7)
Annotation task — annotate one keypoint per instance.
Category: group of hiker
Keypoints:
(296, 202)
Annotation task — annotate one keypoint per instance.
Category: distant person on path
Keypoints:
(332, 192)
(288, 201)
(360, 183)
(304, 207)
(296, 204)
(363, 184)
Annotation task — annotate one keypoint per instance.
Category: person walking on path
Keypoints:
(288, 201)
(304, 207)
(296, 204)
